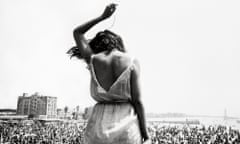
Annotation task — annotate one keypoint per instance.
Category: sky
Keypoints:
(188, 52)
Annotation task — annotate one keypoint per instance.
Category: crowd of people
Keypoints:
(38, 133)
(72, 133)
(187, 134)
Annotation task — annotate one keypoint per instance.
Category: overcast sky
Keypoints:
(189, 51)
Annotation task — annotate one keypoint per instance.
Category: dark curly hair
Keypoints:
(103, 41)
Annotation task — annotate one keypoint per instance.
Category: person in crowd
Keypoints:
(118, 117)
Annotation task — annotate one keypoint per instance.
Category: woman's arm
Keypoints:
(79, 32)
(136, 100)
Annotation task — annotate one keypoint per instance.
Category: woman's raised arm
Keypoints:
(79, 32)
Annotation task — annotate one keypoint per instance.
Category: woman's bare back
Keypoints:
(108, 67)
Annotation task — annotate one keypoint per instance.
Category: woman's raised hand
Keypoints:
(109, 10)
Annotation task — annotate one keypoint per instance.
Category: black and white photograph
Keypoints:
(119, 72)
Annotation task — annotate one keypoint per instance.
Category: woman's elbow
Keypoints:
(75, 33)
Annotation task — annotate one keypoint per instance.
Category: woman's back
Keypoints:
(109, 66)
(113, 119)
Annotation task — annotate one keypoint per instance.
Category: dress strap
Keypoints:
(132, 62)
(89, 66)
(91, 59)
(132, 59)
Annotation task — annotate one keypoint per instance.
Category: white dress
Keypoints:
(113, 120)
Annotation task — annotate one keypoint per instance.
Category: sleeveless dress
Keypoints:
(113, 120)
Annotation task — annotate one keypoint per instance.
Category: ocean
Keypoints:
(203, 120)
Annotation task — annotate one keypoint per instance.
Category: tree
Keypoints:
(65, 110)
(77, 112)
(31, 116)
(87, 112)
(74, 115)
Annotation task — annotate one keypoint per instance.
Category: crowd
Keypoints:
(72, 133)
(37, 133)
(187, 134)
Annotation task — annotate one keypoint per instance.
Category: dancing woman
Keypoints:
(118, 117)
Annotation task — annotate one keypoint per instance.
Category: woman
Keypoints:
(118, 117)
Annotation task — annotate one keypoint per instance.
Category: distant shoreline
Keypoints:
(182, 115)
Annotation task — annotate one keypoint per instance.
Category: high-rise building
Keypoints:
(37, 105)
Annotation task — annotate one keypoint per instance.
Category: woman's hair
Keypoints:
(103, 41)
(106, 41)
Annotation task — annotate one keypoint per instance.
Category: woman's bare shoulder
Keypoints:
(130, 60)
(121, 59)
(98, 57)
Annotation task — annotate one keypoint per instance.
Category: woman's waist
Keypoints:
(110, 98)
(110, 102)
(116, 109)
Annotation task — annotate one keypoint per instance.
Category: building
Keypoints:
(7, 112)
(37, 105)
(66, 113)
(60, 113)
